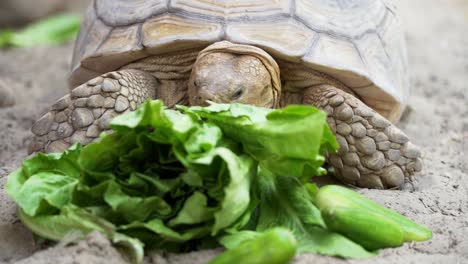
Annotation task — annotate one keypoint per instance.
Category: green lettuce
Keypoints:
(287, 203)
(179, 180)
(52, 30)
(289, 141)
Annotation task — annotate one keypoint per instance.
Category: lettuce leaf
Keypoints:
(289, 141)
(52, 30)
(287, 203)
(177, 180)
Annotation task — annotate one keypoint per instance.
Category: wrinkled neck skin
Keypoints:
(223, 76)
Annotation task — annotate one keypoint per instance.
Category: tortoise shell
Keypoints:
(357, 42)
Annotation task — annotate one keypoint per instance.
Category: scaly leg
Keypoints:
(87, 111)
(373, 153)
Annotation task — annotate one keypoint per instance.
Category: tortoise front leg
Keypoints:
(87, 111)
(373, 153)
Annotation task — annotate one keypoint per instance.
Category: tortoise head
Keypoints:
(231, 73)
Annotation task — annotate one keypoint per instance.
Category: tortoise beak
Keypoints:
(201, 96)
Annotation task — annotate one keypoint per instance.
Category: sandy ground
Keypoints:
(437, 120)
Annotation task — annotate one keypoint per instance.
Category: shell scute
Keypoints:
(233, 10)
(167, 33)
(330, 52)
(284, 39)
(117, 13)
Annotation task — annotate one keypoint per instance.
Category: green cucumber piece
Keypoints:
(370, 230)
(333, 196)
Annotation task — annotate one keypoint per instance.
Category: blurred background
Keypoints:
(16, 13)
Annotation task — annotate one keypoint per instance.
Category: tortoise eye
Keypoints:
(237, 94)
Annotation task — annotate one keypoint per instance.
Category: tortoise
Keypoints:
(346, 57)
